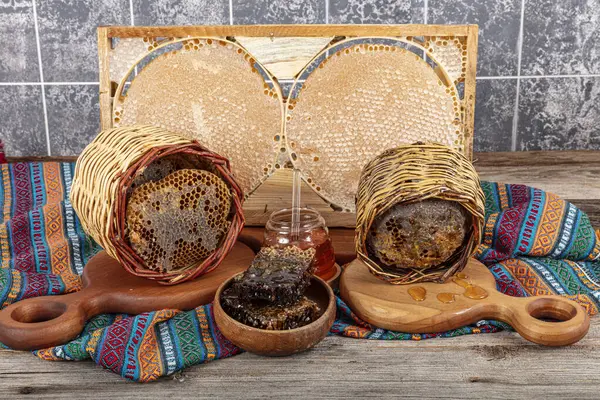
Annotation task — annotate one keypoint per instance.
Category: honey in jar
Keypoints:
(312, 233)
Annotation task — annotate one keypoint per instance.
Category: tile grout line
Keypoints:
(425, 12)
(132, 23)
(230, 12)
(541, 76)
(39, 54)
(131, 20)
(46, 83)
(513, 144)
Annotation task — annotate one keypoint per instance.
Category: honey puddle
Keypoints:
(471, 291)
(461, 281)
(475, 292)
(446, 297)
(417, 293)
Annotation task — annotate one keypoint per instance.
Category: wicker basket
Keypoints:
(103, 175)
(413, 173)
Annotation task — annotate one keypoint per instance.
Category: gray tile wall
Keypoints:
(538, 83)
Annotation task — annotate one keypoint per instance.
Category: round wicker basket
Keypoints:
(103, 174)
(413, 173)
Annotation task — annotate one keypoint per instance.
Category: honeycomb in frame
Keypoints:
(345, 108)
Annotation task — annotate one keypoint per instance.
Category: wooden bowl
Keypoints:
(285, 342)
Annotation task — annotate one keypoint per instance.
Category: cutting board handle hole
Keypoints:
(39, 312)
(551, 310)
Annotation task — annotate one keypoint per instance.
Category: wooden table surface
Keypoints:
(500, 365)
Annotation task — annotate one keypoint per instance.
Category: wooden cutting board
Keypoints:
(47, 321)
(468, 297)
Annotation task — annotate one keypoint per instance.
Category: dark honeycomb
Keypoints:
(264, 315)
(418, 235)
(160, 168)
(276, 275)
(179, 220)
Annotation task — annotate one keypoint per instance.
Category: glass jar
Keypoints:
(313, 233)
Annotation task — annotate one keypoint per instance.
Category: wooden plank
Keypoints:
(494, 366)
(104, 45)
(469, 95)
(484, 159)
(573, 181)
(276, 192)
(537, 158)
(316, 30)
(591, 208)
(284, 57)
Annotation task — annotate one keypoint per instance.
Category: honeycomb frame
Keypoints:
(453, 46)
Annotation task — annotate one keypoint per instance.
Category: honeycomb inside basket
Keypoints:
(418, 235)
(175, 217)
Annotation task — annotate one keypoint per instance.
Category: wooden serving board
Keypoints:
(47, 321)
(431, 307)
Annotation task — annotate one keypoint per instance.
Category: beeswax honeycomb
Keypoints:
(179, 220)
(418, 235)
(213, 91)
(344, 112)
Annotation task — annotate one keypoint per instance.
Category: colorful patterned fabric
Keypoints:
(534, 243)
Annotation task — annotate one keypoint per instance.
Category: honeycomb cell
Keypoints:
(165, 226)
(450, 54)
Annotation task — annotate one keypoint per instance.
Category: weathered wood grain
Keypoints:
(591, 208)
(312, 30)
(491, 366)
(284, 57)
(566, 178)
(536, 158)
(569, 181)
(486, 159)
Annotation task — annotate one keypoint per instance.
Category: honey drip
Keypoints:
(475, 292)
(446, 297)
(417, 293)
(471, 291)
(460, 281)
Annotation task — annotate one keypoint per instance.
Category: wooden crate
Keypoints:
(284, 50)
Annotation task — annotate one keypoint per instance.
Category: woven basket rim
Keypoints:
(131, 261)
(104, 174)
(384, 185)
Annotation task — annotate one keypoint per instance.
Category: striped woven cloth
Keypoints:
(534, 243)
